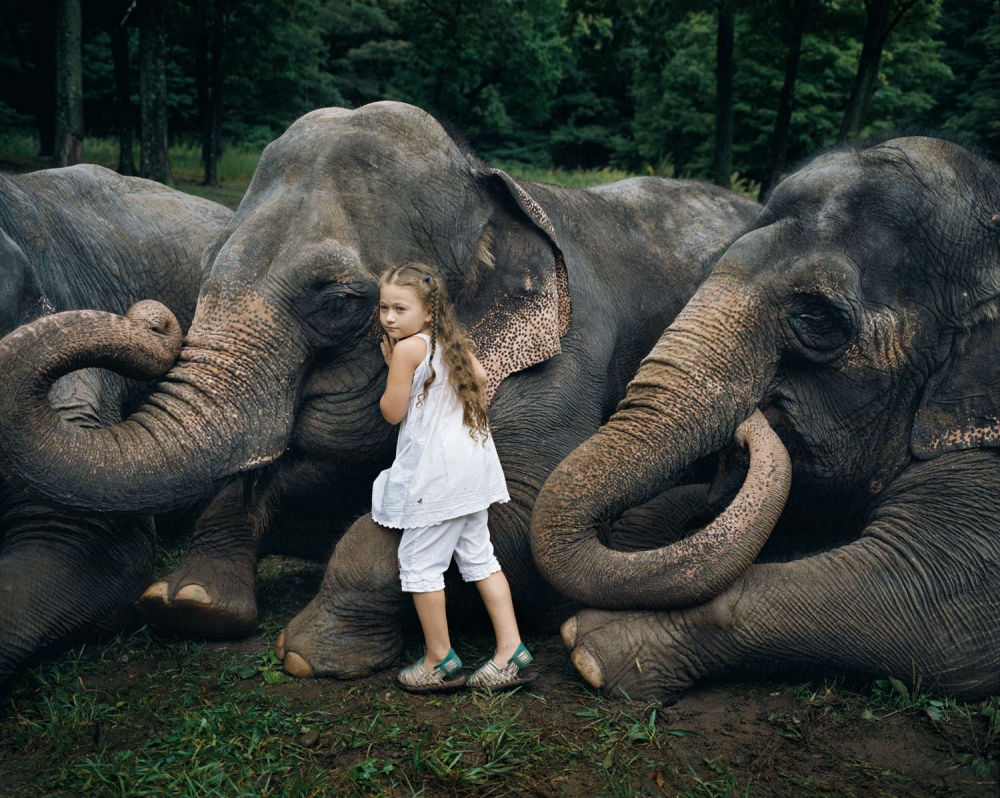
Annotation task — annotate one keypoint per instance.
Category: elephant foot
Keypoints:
(193, 611)
(634, 655)
(317, 643)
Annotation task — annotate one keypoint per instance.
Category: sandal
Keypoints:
(445, 677)
(495, 679)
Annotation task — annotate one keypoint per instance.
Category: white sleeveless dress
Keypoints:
(440, 471)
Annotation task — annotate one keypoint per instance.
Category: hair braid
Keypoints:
(435, 298)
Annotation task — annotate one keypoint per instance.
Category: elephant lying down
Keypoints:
(859, 314)
(274, 395)
(85, 237)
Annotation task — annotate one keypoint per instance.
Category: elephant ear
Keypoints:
(517, 293)
(960, 408)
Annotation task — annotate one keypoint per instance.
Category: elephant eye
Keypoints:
(334, 297)
(819, 326)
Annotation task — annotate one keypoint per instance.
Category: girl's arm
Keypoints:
(478, 371)
(403, 357)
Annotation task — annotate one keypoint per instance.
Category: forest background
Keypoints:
(732, 91)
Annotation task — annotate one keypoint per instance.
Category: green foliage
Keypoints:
(491, 68)
(551, 84)
(275, 66)
(967, 104)
(674, 97)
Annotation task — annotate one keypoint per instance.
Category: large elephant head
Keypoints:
(283, 348)
(859, 314)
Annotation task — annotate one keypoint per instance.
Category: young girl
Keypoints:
(445, 476)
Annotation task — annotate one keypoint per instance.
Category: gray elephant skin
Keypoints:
(74, 238)
(273, 401)
(858, 316)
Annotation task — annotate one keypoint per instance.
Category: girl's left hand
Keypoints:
(387, 345)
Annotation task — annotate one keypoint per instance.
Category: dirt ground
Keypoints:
(771, 737)
(762, 737)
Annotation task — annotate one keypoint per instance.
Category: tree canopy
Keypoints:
(633, 84)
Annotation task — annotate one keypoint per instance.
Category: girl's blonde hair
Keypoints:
(456, 346)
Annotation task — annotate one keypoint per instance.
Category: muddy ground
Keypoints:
(795, 736)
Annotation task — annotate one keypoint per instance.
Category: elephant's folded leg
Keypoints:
(212, 594)
(871, 608)
(62, 576)
(352, 627)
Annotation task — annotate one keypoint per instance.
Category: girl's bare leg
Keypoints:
(496, 596)
(434, 623)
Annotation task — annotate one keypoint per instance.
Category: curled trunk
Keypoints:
(694, 394)
(212, 414)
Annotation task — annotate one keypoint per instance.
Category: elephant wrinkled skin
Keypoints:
(275, 394)
(74, 238)
(859, 314)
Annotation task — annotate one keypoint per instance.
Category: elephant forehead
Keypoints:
(385, 135)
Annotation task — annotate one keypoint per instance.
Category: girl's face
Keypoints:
(401, 312)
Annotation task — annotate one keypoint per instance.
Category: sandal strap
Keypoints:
(450, 663)
(521, 657)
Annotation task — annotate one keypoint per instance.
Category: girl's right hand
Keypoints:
(387, 345)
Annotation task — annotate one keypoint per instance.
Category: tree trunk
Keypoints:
(124, 112)
(218, 81)
(69, 84)
(211, 89)
(722, 167)
(201, 81)
(786, 100)
(153, 93)
(879, 23)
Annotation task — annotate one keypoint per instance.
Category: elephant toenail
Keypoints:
(297, 666)
(158, 591)
(279, 646)
(568, 632)
(588, 668)
(195, 594)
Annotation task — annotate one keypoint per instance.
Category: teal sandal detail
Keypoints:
(445, 678)
(495, 679)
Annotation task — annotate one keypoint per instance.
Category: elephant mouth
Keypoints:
(256, 462)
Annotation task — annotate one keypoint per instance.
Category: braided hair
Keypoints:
(456, 346)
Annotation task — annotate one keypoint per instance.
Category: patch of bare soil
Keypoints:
(765, 737)
(756, 737)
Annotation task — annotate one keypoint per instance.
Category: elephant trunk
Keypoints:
(211, 415)
(693, 395)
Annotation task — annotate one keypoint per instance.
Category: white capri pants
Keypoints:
(425, 552)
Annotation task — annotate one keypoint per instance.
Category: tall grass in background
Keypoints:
(18, 152)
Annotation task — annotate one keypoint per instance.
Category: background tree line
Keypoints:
(695, 88)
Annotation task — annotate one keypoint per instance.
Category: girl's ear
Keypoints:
(516, 299)
(960, 408)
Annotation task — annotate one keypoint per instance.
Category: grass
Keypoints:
(137, 715)
(235, 168)
(18, 152)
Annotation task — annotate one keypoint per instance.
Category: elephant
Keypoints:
(272, 404)
(74, 238)
(855, 325)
